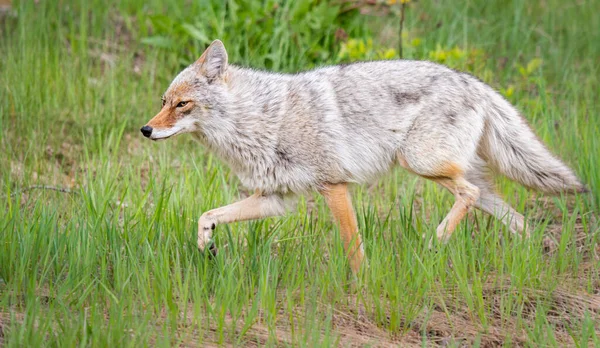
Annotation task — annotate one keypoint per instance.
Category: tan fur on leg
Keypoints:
(254, 207)
(466, 195)
(340, 204)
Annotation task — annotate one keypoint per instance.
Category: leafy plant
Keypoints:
(306, 38)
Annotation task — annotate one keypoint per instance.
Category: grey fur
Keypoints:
(284, 134)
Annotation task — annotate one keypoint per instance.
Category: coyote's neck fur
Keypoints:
(252, 137)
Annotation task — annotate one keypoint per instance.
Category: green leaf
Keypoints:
(523, 71)
(533, 65)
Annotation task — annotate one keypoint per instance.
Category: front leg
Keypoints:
(340, 204)
(257, 206)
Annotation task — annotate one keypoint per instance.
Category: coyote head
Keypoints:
(194, 96)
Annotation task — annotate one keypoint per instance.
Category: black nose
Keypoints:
(146, 130)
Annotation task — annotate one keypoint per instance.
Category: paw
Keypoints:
(429, 243)
(212, 250)
(442, 238)
(205, 230)
(442, 234)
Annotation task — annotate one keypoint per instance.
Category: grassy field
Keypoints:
(111, 260)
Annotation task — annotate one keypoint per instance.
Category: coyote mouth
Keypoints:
(159, 137)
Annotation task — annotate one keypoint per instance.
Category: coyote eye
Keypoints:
(182, 104)
(164, 101)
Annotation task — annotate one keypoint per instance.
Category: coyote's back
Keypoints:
(350, 123)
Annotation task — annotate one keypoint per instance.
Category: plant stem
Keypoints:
(402, 11)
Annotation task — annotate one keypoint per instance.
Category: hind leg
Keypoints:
(439, 145)
(450, 175)
(495, 206)
(491, 203)
(466, 194)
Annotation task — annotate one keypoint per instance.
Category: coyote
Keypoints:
(286, 134)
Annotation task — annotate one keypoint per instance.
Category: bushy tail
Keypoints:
(511, 147)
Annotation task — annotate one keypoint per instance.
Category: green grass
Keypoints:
(114, 262)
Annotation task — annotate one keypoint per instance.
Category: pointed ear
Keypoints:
(213, 62)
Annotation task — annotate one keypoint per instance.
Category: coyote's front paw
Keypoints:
(441, 237)
(205, 230)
